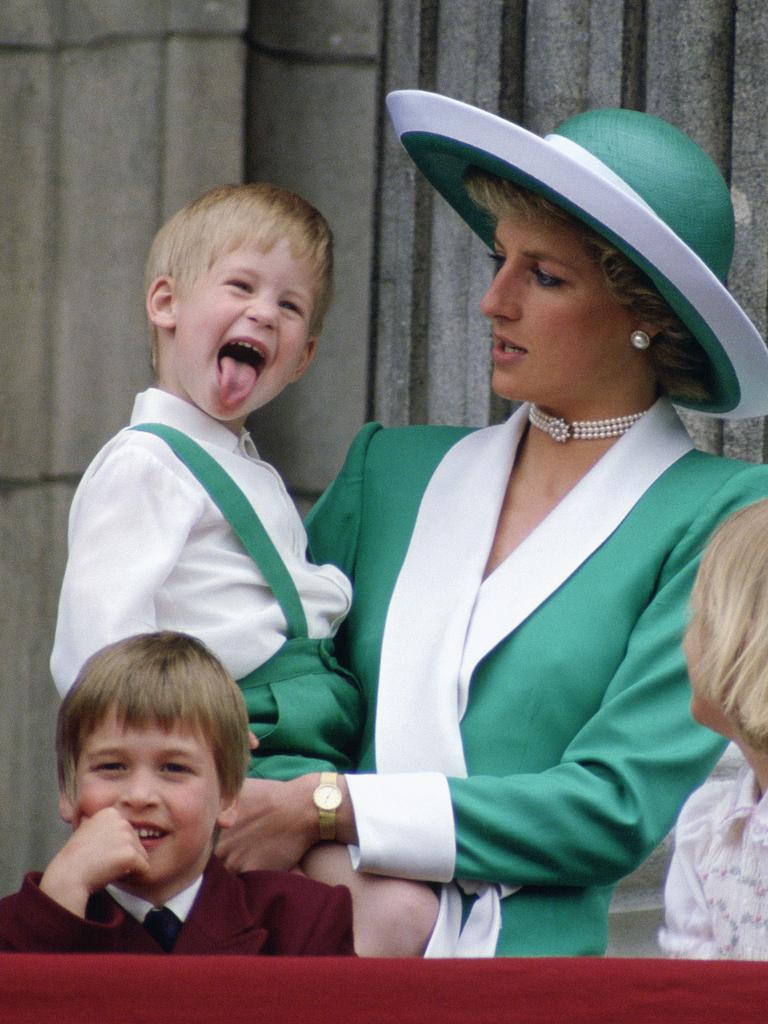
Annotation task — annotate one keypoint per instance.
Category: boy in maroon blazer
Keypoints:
(152, 747)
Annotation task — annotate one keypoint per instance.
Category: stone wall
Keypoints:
(311, 117)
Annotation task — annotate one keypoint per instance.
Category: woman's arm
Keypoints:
(615, 791)
(591, 813)
(277, 823)
(333, 524)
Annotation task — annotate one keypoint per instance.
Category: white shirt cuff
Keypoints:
(404, 824)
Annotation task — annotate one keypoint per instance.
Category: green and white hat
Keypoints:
(636, 180)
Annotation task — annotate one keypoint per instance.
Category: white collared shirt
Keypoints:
(137, 907)
(149, 550)
(716, 894)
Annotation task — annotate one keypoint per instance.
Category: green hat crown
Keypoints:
(654, 158)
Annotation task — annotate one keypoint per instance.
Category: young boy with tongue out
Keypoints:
(178, 523)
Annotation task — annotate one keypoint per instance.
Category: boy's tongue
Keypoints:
(237, 381)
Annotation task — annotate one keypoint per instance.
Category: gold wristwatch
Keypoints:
(327, 798)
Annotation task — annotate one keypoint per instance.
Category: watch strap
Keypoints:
(327, 818)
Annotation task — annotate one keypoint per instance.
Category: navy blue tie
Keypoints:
(163, 925)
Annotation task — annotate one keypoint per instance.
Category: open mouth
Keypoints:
(149, 832)
(242, 352)
(506, 348)
(240, 364)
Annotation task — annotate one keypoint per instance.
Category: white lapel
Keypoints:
(432, 602)
(574, 530)
(443, 618)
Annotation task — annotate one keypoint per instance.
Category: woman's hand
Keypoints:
(276, 825)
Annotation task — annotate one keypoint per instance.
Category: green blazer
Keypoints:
(577, 736)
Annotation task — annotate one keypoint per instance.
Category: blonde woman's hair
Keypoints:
(230, 216)
(165, 679)
(680, 363)
(729, 606)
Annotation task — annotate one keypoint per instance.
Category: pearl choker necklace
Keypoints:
(583, 430)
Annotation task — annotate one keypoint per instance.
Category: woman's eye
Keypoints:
(497, 260)
(546, 280)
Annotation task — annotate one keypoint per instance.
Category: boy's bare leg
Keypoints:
(392, 916)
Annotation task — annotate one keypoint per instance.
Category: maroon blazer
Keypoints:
(272, 913)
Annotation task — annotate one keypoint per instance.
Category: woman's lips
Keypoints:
(505, 351)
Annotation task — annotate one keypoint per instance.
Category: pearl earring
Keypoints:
(639, 340)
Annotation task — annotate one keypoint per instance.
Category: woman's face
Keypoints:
(559, 338)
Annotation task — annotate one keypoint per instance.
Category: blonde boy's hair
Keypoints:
(230, 216)
(165, 679)
(730, 618)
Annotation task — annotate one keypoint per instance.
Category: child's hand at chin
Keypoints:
(102, 849)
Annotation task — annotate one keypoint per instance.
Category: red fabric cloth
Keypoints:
(37, 989)
(265, 912)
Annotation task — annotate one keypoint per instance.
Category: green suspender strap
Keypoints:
(241, 516)
(304, 707)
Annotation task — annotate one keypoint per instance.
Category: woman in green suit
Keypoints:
(521, 591)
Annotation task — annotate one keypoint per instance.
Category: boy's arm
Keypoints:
(31, 922)
(48, 914)
(102, 849)
(129, 522)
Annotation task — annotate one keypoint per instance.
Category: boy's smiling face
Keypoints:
(166, 785)
(239, 335)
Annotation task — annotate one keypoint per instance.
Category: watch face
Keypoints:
(327, 797)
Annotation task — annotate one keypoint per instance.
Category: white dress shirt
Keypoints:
(149, 550)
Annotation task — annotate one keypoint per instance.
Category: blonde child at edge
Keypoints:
(237, 286)
(152, 747)
(716, 894)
